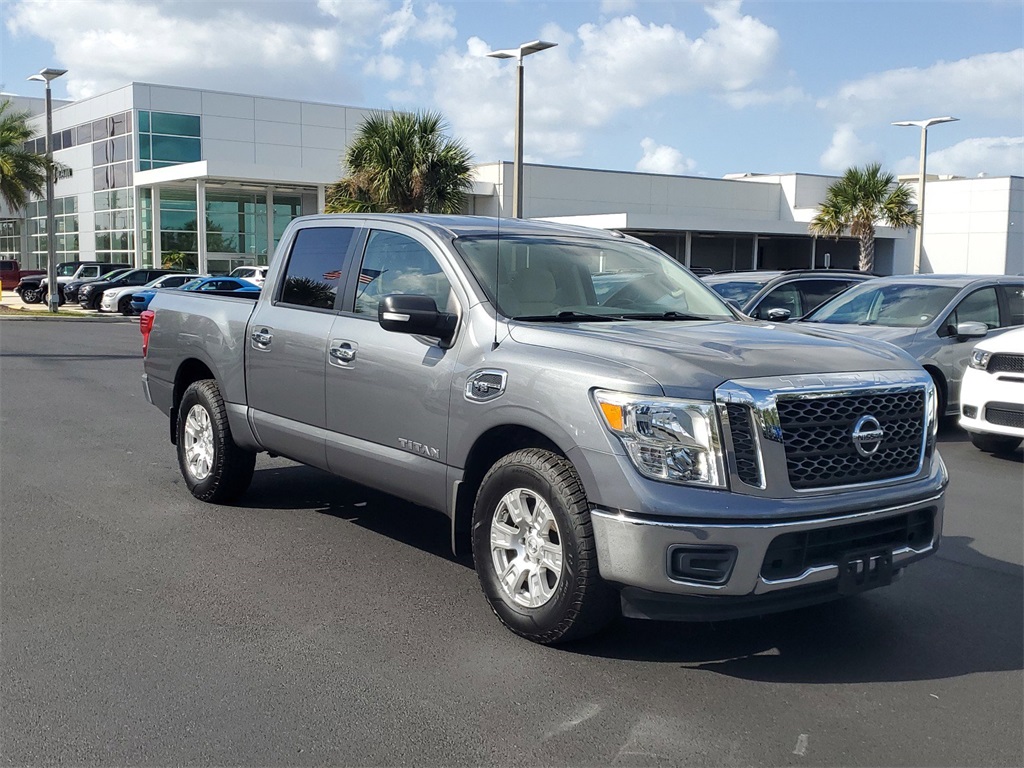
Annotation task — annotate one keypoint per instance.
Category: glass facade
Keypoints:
(115, 234)
(10, 238)
(168, 139)
(179, 243)
(65, 225)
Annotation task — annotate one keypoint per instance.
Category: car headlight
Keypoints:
(676, 441)
(979, 359)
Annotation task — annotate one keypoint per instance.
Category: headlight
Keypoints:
(979, 359)
(667, 439)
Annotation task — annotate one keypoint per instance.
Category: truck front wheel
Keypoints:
(533, 545)
(214, 467)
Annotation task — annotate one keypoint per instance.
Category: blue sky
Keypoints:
(698, 88)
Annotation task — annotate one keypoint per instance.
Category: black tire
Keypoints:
(231, 467)
(32, 295)
(580, 603)
(124, 305)
(994, 443)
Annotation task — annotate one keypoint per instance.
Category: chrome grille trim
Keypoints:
(760, 399)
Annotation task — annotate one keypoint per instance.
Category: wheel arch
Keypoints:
(190, 371)
(487, 449)
(941, 385)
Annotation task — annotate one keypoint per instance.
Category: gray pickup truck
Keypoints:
(605, 434)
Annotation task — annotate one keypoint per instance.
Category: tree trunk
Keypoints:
(867, 252)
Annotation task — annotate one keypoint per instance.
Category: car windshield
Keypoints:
(116, 273)
(191, 285)
(739, 291)
(566, 279)
(897, 305)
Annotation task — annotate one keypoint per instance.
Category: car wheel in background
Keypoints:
(533, 545)
(32, 295)
(214, 467)
(124, 306)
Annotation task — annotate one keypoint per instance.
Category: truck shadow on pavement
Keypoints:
(956, 613)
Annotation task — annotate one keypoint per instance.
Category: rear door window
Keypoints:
(1013, 301)
(316, 267)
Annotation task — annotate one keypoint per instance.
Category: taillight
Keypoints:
(146, 326)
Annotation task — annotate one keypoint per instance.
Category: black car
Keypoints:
(70, 291)
(782, 295)
(30, 289)
(91, 293)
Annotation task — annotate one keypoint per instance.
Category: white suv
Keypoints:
(992, 395)
(253, 274)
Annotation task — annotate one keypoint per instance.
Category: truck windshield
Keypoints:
(542, 278)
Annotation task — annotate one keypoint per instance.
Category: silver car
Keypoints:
(936, 318)
(120, 299)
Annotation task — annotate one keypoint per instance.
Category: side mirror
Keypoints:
(417, 315)
(778, 314)
(971, 329)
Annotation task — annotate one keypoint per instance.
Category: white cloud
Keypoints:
(618, 66)
(988, 84)
(994, 156)
(386, 67)
(357, 15)
(107, 43)
(847, 150)
(659, 158)
(434, 27)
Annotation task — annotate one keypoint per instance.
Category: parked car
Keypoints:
(120, 299)
(29, 286)
(71, 289)
(140, 299)
(936, 318)
(652, 451)
(11, 273)
(90, 294)
(89, 270)
(255, 274)
(992, 396)
(782, 296)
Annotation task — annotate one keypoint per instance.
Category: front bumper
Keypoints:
(637, 554)
(980, 390)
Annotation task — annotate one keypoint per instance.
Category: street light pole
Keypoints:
(923, 125)
(46, 75)
(517, 161)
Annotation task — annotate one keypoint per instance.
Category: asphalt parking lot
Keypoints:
(318, 623)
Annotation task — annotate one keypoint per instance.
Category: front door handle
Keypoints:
(343, 352)
(262, 338)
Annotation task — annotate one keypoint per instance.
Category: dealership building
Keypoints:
(139, 164)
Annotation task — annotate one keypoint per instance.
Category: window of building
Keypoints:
(10, 238)
(167, 139)
(65, 230)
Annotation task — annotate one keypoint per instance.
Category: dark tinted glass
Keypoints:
(84, 134)
(316, 266)
(176, 149)
(175, 125)
(1014, 297)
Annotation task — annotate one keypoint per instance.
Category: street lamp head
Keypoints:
(523, 50)
(928, 122)
(48, 74)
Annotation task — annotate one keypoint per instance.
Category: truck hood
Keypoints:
(690, 359)
(893, 335)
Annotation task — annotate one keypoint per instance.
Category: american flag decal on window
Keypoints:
(332, 275)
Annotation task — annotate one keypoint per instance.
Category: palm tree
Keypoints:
(402, 163)
(21, 172)
(860, 199)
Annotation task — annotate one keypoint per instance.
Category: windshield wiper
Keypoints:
(665, 316)
(567, 316)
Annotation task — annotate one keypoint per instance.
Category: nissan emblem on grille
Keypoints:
(867, 435)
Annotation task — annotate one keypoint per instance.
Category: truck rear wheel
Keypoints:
(534, 549)
(214, 467)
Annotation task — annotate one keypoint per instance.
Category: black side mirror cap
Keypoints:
(417, 315)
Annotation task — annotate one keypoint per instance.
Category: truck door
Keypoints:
(286, 347)
(388, 393)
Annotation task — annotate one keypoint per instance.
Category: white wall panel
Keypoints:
(229, 151)
(183, 100)
(323, 138)
(323, 115)
(267, 132)
(228, 105)
(229, 128)
(280, 155)
(279, 110)
(327, 160)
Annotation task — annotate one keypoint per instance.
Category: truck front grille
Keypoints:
(818, 436)
(790, 554)
(748, 465)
